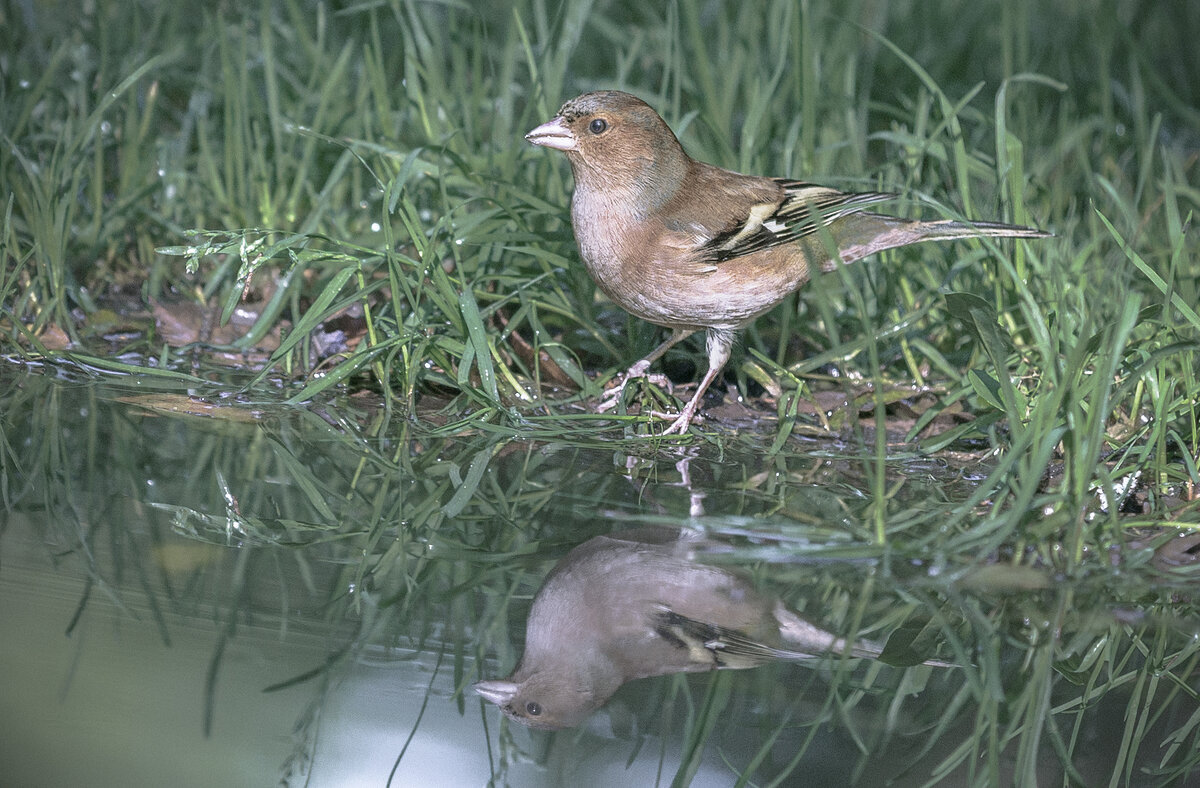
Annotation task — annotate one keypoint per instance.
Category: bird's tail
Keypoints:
(802, 640)
(858, 235)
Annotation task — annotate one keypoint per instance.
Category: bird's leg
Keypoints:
(613, 395)
(720, 347)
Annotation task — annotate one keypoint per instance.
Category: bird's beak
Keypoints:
(553, 134)
(498, 692)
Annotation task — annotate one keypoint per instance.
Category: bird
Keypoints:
(635, 604)
(690, 246)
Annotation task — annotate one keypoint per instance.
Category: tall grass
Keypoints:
(376, 152)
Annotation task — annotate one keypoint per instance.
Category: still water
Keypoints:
(202, 592)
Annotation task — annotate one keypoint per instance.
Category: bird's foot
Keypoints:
(678, 427)
(612, 396)
(684, 419)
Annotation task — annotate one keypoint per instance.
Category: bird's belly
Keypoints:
(712, 299)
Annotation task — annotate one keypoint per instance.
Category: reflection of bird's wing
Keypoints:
(713, 646)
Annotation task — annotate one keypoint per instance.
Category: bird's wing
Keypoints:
(803, 210)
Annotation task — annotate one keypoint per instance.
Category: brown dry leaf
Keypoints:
(185, 322)
(1183, 550)
(52, 337)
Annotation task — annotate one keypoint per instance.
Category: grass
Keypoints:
(308, 163)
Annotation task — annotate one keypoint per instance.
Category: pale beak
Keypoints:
(498, 691)
(553, 134)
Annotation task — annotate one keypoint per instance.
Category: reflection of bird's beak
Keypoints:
(498, 692)
(553, 134)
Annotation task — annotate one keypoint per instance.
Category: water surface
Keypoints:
(213, 592)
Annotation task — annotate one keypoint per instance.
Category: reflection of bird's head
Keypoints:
(541, 700)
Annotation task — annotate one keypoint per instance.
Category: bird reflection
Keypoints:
(635, 604)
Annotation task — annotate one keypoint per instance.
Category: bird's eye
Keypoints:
(598, 126)
(533, 708)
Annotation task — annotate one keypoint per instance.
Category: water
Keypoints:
(214, 593)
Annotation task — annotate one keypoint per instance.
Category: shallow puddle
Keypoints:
(205, 592)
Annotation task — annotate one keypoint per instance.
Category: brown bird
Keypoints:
(690, 246)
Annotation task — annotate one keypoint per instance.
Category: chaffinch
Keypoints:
(690, 246)
(636, 604)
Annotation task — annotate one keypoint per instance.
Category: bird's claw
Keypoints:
(612, 396)
(682, 420)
